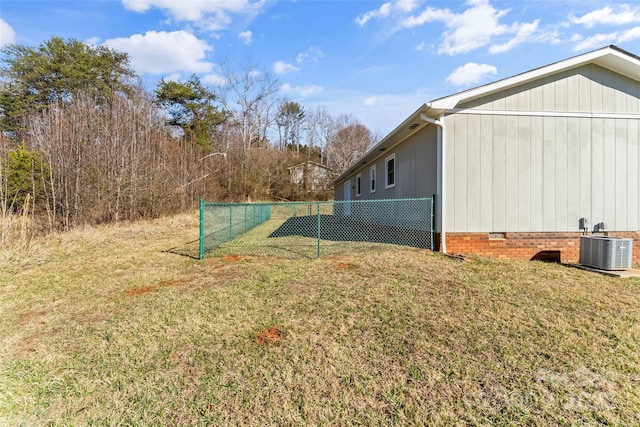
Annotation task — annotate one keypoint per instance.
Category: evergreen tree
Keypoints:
(191, 107)
(33, 78)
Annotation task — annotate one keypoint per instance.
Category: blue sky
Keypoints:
(377, 61)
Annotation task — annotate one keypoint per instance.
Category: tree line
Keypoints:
(82, 142)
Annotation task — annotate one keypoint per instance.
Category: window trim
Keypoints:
(359, 185)
(386, 171)
(373, 178)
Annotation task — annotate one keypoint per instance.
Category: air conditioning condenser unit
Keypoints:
(606, 253)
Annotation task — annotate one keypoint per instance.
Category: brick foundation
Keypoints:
(562, 247)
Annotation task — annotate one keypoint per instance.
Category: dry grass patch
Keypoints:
(103, 326)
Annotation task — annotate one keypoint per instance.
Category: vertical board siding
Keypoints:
(474, 192)
(584, 94)
(586, 170)
(512, 169)
(532, 173)
(573, 174)
(562, 175)
(632, 174)
(608, 172)
(620, 174)
(549, 173)
(523, 185)
(486, 172)
(597, 169)
(573, 93)
(499, 174)
(537, 174)
(460, 182)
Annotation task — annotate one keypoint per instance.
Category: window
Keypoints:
(372, 179)
(390, 171)
(358, 185)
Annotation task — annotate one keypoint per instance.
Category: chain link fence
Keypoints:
(311, 229)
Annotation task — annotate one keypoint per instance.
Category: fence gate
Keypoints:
(310, 229)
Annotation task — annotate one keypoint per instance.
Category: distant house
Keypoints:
(311, 176)
(516, 163)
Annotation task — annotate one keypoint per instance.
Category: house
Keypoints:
(310, 175)
(515, 164)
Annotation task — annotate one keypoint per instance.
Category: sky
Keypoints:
(377, 61)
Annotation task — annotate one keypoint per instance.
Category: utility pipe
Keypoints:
(443, 175)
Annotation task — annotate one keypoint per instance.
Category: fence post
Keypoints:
(201, 237)
(245, 218)
(318, 205)
(230, 223)
(433, 221)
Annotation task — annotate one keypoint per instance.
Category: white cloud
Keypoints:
(430, 14)
(246, 37)
(623, 15)
(373, 101)
(173, 77)
(213, 15)
(160, 52)
(282, 67)
(599, 40)
(214, 79)
(300, 91)
(7, 34)
(629, 35)
(93, 41)
(383, 11)
(476, 27)
(386, 10)
(312, 54)
(470, 73)
(406, 5)
(596, 41)
(420, 47)
(523, 33)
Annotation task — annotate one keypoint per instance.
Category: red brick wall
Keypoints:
(563, 247)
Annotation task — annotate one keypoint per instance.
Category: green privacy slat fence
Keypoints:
(309, 229)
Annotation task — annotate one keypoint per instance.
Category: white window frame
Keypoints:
(359, 185)
(372, 179)
(386, 171)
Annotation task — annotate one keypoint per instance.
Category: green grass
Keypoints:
(107, 326)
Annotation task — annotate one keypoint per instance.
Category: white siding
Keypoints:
(486, 173)
(543, 171)
(474, 169)
(512, 169)
(537, 174)
(597, 170)
(523, 184)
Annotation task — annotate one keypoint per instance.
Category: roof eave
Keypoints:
(408, 127)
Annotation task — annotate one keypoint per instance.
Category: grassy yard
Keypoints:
(108, 326)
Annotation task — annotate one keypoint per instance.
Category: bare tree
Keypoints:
(290, 119)
(350, 142)
(320, 129)
(248, 97)
(116, 162)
